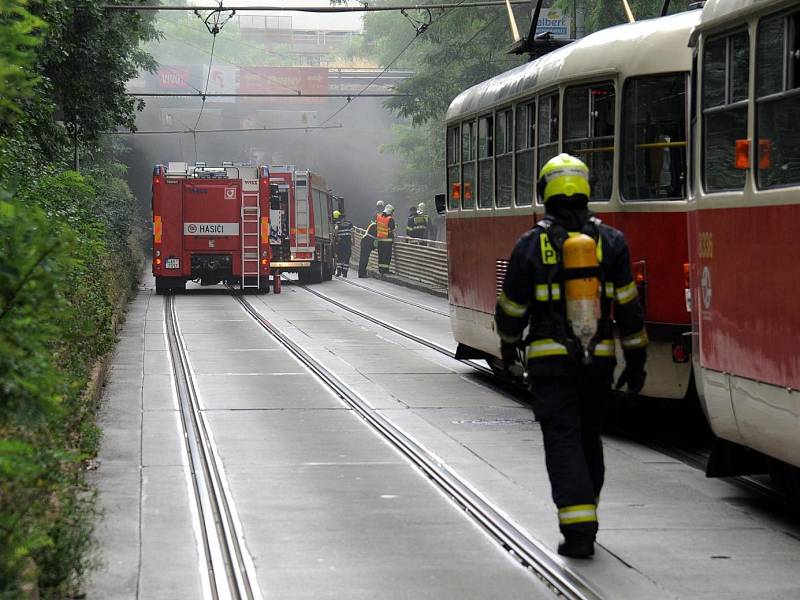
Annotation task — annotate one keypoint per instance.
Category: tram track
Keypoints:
(693, 459)
(397, 298)
(527, 551)
(228, 566)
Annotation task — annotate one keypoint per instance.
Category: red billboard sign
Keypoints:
(284, 80)
(174, 78)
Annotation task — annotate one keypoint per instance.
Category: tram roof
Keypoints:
(721, 13)
(650, 46)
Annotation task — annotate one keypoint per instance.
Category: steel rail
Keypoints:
(530, 553)
(694, 460)
(221, 545)
(392, 328)
(309, 9)
(397, 298)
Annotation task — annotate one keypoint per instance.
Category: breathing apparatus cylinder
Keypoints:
(582, 293)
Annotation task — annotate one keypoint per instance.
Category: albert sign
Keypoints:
(555, 22)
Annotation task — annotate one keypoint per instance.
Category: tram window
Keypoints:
(778, 103)
(769, 57)
(589, 133)
(653, 148)
(794, 48)
(504, 157)
(714, 73)
(724, 110)
(453, 148)
(740, 61)
(468, 165)
(485, 162)
(526, 140)
(548, 128)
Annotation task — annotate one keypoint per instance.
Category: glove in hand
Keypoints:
(633, 375)
(509, 354)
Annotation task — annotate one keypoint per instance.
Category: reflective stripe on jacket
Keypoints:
(385, 225)
(533, 296)
(344, 229)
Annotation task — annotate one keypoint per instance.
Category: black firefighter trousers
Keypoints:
(570, 411)
(344, 249)
(385, 247)
(367, 246)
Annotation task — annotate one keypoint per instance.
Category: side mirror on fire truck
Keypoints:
(439, 200)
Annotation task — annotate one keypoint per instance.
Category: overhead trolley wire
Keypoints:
(420, 30)
(298, 94)
(249, 69)
(314, 9)
(240, 130)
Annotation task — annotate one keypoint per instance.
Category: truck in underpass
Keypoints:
(301, 236)
(211, 225)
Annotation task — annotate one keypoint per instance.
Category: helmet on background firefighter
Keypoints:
(389, 209)
(379, 205)
(421, 207)
(564, 177)
(336, 215)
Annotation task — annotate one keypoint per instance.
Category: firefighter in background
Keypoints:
(563, 277)
(385, 229)
(369, 241)
(418, 225)
(411, 225)
(344, 243)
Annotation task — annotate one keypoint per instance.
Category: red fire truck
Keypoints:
(210, 224)
(301, 234)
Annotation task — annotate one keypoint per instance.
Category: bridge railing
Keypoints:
(420, 261)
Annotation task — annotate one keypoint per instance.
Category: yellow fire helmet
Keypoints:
(336, 214)
(563, 175)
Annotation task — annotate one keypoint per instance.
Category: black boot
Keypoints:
(577, 546)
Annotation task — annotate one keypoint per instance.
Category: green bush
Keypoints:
(68, 258)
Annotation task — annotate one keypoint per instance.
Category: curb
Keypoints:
(408, 283)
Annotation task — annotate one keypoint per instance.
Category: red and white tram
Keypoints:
(617, 99)
(744, 217)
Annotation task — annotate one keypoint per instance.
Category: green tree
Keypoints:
(606, 13)
(87, 57)
(460, 48)
(19, 37)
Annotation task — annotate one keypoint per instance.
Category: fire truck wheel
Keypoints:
(327, 271)
(315, 272)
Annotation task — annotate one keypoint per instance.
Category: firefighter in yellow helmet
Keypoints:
(344, 243)
(385, 234)
(563, 278)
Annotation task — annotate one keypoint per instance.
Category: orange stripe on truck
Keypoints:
(264, 230)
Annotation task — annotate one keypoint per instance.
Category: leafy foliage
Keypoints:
(87, 57)
(606, 13)
(68, 258)
(461, 48)
(18, 41)
(65, 263)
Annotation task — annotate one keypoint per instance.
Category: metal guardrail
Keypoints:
(423, 261)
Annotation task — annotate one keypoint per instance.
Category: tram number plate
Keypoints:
(173, 263)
